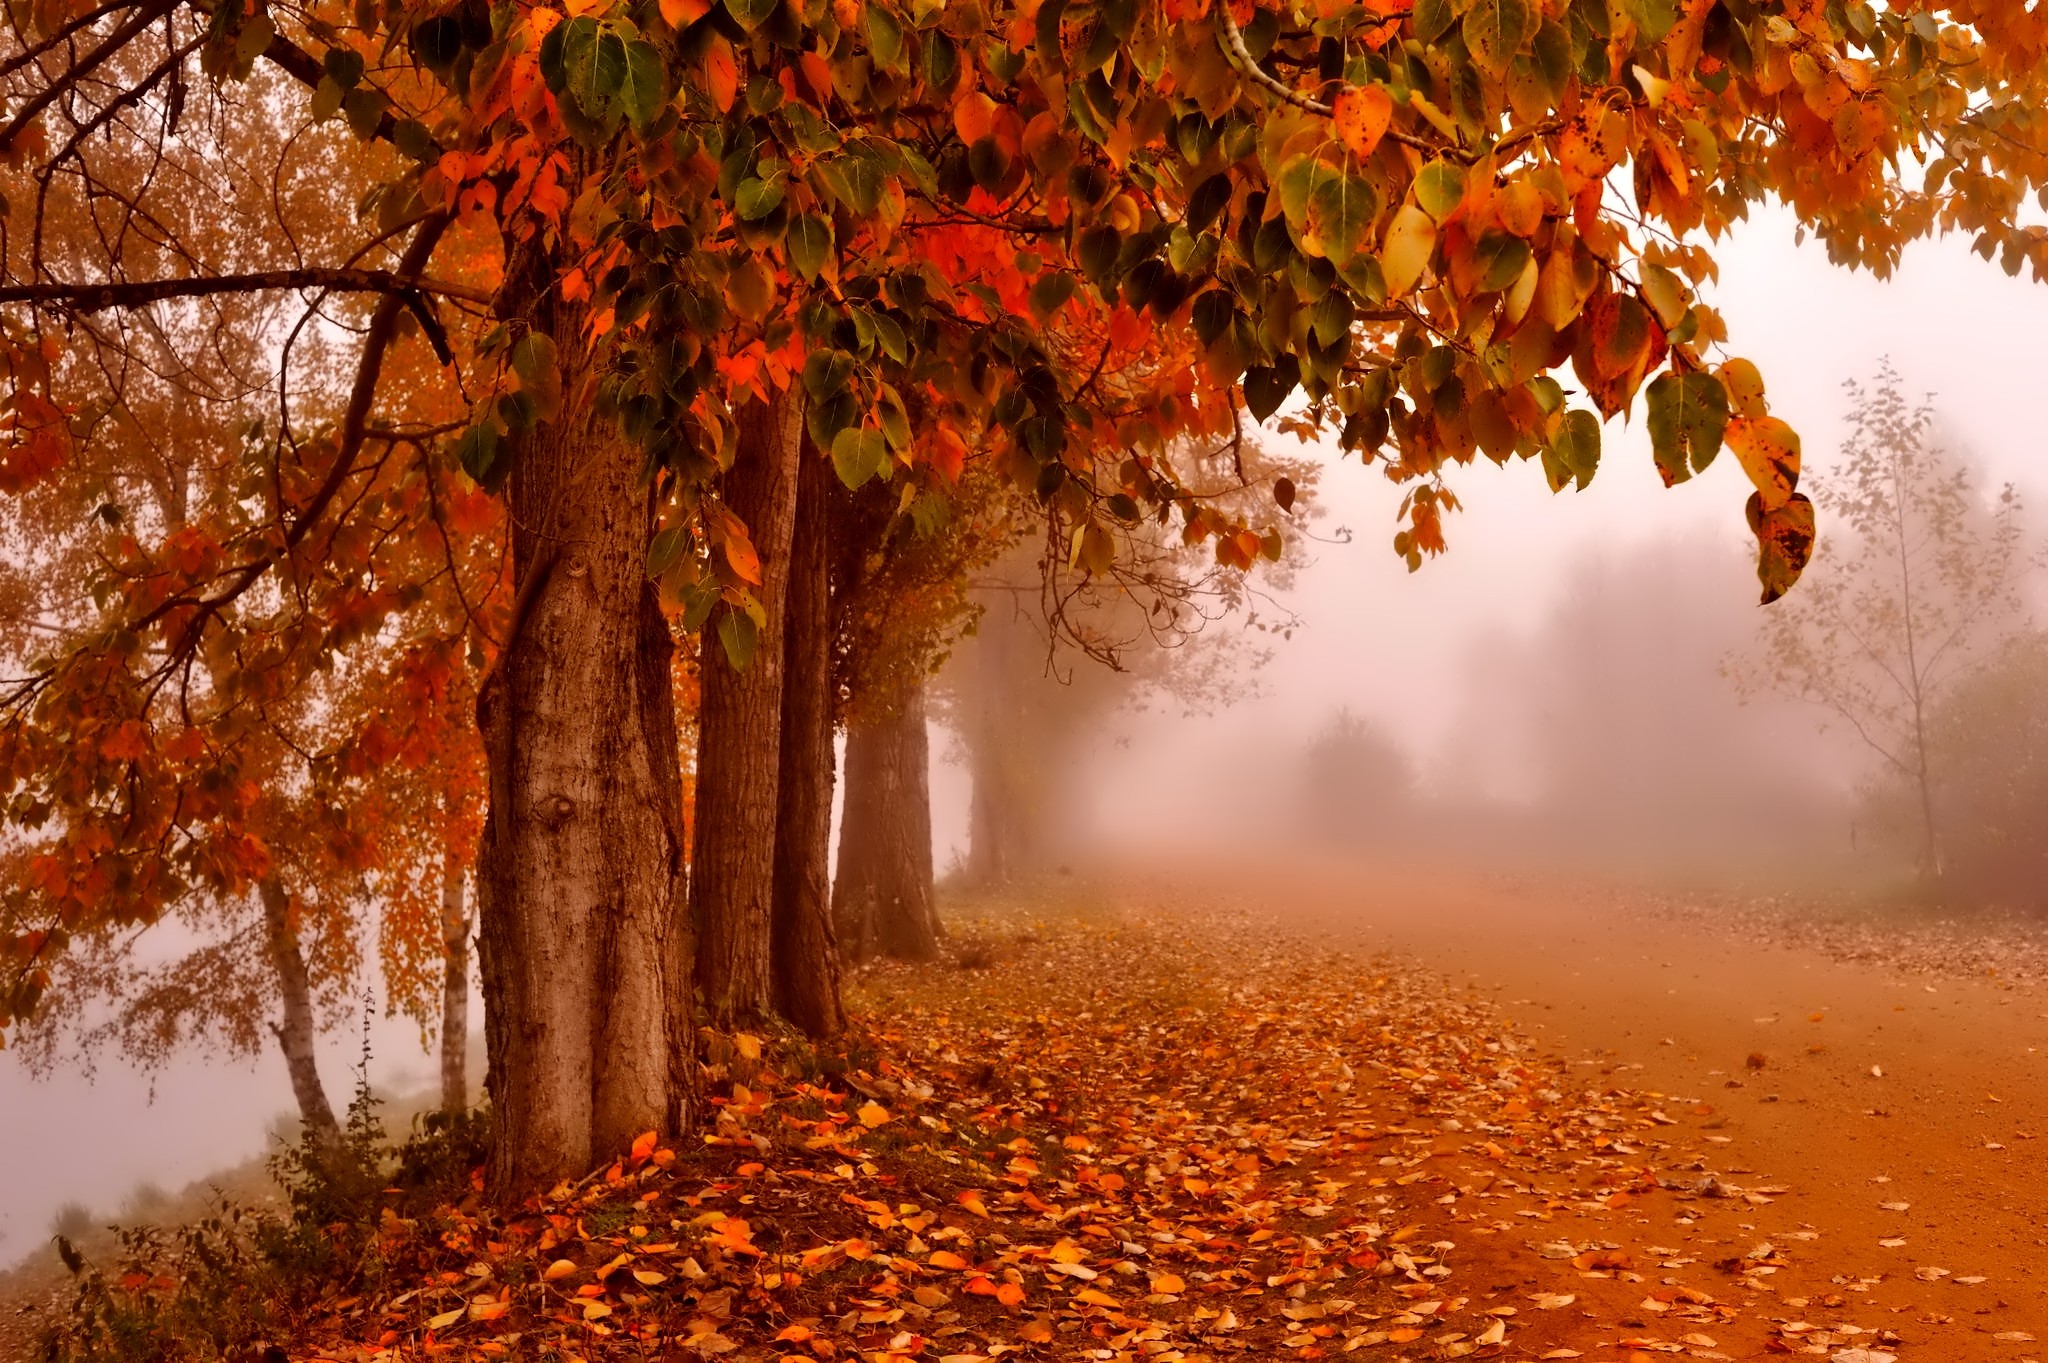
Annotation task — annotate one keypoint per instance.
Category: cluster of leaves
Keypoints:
(1061, 233)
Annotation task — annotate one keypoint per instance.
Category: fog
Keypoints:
(1449, 662)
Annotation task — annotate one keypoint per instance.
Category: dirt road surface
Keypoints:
(1906, 1113)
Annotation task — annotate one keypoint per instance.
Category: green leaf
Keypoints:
(1341, 210)
(1688, 417)
(856, 181)
(736, 631)
(477, 451)
(1267, 386)
(826, 373)
(1495, 31)
(1433, 19)
(809, 241)
(858, 455)
(343, 65)
(751, 13)
(644, 88)
(1500, 257)
(1050, 291)
(1439, 186)
(664, 549)
(533, 360)
(326, 99)
(885, 38)
(756, 199)
(1577, 445)
(364, 109)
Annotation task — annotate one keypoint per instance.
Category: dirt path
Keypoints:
(1906, 1114)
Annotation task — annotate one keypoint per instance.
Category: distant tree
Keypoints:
(1356, 781)
(1916, 582)
(1068, 633)
(1988, 740)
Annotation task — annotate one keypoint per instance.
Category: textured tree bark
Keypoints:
(454, 990)
(739, 726)
(583, 951)
(295, 1031)
(804, 956)
(882, 896)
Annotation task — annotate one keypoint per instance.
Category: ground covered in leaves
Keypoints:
(1137, 1130)
(2008, 945)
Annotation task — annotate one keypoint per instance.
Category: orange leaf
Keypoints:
(746, 563)
(1769, 452)
(1168, 1282)
(974, 117)
(721, 73)
(643, 1144)
(683, 13)
(1362, 114)
(946, 1258)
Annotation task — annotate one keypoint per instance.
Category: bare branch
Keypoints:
(90, 298)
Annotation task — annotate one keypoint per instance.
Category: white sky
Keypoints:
(1950, 322)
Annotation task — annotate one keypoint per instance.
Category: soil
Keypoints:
(1895, 1083)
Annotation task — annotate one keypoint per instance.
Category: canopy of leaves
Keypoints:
(1061, 231)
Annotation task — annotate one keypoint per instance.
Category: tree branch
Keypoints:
(89, 298)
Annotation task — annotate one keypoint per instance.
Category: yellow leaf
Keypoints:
(595, 1310)
(560, 1268)
(446, 1318)
(485, 1309)
(1411, 241)
(1769, 452)
(873, 1114)
(647, 1277)
(1095, 1298)
(747, 1044)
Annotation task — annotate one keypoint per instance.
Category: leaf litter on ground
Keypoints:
(1165, 1133)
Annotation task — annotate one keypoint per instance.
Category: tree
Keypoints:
(1356, 781)
(900, 576)
(1064, 636)
(682, 219)
(1917, 585)
(1988, 740)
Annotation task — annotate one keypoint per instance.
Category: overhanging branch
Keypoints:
(89, 298)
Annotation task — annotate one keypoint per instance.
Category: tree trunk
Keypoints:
(882, 896)
(804, 955)
(990, 817)
(583, 951)
(296, 1032)
(454, 990)
(739, 726)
